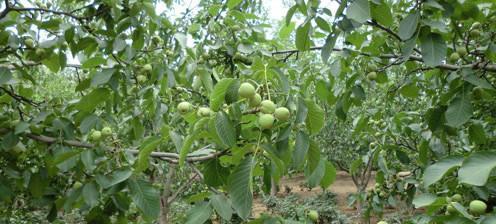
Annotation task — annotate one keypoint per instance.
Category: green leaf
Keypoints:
(240, 187)
(477, 134)
(359, 10)
(88, 123)
(225, 129)
(91, 194)
(476, 169)
(411, 90)
(329, 46)
(199, 214)
(329, 175)
(219, 92)
(423, 200)
(315, 117)
(102, 77)
(222, 206)
(436, 171)
(233, 3)
(382, 14)
(290, 13)
(317, 174)
(322, 24)
(301, 148)
(408, 26)
(5, 75)
(91, 100)
(433, 49)
(146, 198)
(52, 63)
(114, 178)
(93, 62)
(302, 39)
(459, 110)
(145, 150)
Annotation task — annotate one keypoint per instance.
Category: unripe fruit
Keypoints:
(477, 207)
(29, 42)
(461, 51)
(40, 52)
(476, 25)
(456, 198)
(454, 57)
(475, 33)
(267, 107)
(96, 135)
(313, 215)
(372, 76)
(266, 121)
(106, 131)
(77, 185)
(255, 100)
(450, 208)
(478, 92)
(184, 107)
(282, 114)
(147, 68)
(372, 67)
(142, 78)
(246, 90)
(203, 112)
(382, 222)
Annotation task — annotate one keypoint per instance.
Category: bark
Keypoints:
(164, 199)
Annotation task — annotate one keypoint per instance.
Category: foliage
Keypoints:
(293, 207)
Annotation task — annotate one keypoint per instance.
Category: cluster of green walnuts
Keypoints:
(96, 135)
(268, 110)
(475, 207)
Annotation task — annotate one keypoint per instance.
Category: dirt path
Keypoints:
(342, 187)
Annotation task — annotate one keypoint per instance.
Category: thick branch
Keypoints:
(167, 156)
(477, 65)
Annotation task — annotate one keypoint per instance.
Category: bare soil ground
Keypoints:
(342, 187)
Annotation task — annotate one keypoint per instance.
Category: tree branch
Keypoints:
(477, 65)
(166, 156)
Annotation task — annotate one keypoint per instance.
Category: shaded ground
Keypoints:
(342, 187)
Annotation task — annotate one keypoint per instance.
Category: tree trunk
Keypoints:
(164, 199)
(273, 187)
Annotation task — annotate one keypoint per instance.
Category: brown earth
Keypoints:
(342, 187)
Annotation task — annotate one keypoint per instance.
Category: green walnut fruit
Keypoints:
(454, 57)
(382, 222)
(313, 215)
(142, 78)
(106, 131)
(477, 207)
(461, 51)
(147, 68)
(29, 42)
(266, 121)
(478, 92)
(96, 135)
(372, 67)
(255, 100)
(476, 25)
(40, 52)
(77, 185)
(267, 107)
(184, 107)
(372, 76)
(450, 208)
(457, 198)
(282, 114)
(475, 33)
(246, 90)
(204, 112)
